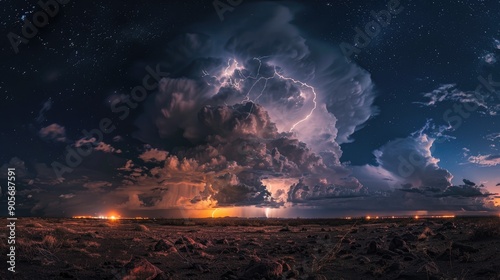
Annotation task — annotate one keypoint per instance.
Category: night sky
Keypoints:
(252, 108)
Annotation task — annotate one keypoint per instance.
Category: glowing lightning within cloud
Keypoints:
(304, 85)
(226, 78)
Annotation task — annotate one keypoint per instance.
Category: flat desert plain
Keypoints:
(226, 248)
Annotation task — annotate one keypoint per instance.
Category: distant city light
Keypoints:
(111, 217)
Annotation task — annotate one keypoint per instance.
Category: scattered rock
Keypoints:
(230, 250)
(205, 255)
(285, 229)
(286, 266)
(140, 268)
(206, 242)
(425, 234)
(431, 268)
(363, 260)
(189, 243)
(185, 240)
(221, 241)
(164, 245)
(398, 244)
(253, 243)
(448, 226)
(263, 269)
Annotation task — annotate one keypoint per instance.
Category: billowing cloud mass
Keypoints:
(405, 163)
(411, 160)
(53, 132)
(270, 63)
(408, 177)
(248, 102)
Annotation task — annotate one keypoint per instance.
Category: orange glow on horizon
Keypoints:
(223, 212)
(496, 201)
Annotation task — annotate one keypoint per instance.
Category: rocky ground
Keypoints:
(456, 248)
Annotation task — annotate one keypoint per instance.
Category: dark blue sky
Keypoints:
(395, 100)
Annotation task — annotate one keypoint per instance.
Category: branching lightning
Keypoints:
(227, 79)
(304, 85)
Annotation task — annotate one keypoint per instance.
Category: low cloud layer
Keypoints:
(53, 132)
(485, 160)
(482, 100)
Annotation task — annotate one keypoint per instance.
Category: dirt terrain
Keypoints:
(454, 248)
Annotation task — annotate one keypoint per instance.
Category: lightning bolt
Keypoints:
(304, 85)
(226, 79)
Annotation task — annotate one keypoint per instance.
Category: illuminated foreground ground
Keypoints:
(458, 248)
